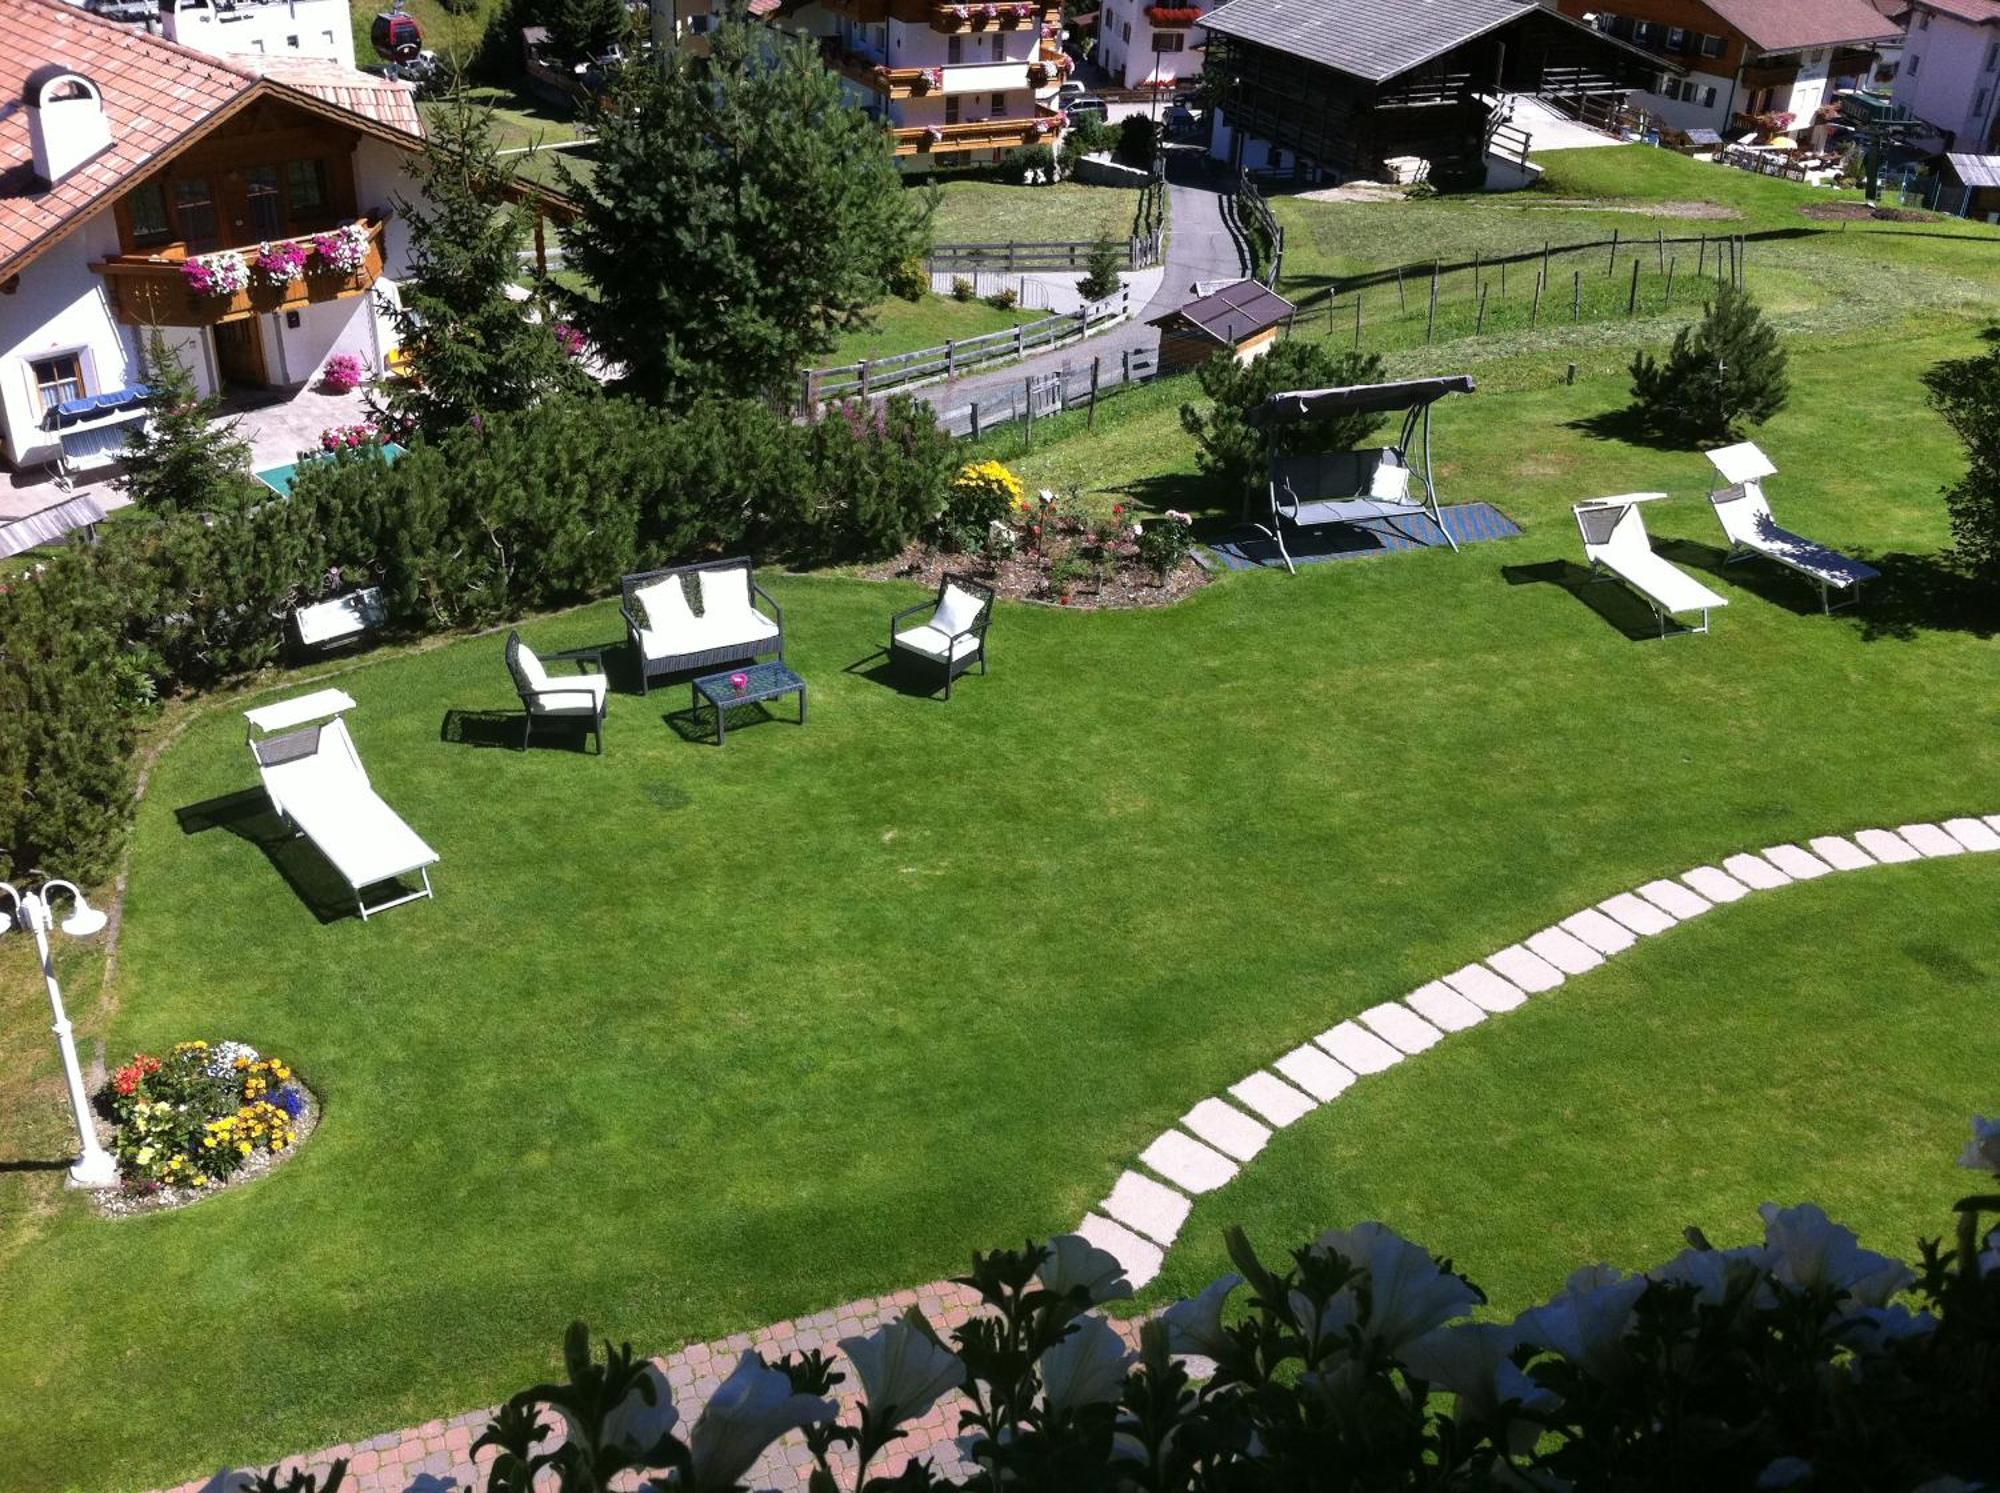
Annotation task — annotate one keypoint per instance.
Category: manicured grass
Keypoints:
(693, 1039)
(905, 326)
(519, 119)
(985, 212)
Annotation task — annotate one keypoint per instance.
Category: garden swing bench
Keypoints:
(1308, 489)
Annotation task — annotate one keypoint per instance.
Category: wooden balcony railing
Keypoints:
(153, 290)
(975, 134)
(1000, 15)
(890, 82)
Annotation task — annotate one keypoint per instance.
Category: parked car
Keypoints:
(1086, 106)
(1179, 119)
(1070, 89)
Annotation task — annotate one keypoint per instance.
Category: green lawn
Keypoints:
(695, 1039)
(985, 212)
(520, 121)
(905, 326)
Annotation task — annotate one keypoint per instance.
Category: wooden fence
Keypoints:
(1142, 252)
(1043, 396)
(1260, 228)
(954, 359)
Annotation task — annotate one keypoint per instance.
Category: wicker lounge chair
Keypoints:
(315, 780)
(1615, 542)
(578, 699)
(953, 639)
(670, 637)
(1746, 519)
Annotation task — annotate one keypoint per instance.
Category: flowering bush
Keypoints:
(216, 274)
(192, 1118)
(1165, 542)
(983, 493)
(349, 437)
(572, 341)
(344, 250)
(343, 373)
(280, 263)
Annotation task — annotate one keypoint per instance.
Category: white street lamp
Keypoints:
(31, 910)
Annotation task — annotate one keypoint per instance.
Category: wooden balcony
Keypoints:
(974, 134)
(152, 290)
(890, 82)
(1004, 15)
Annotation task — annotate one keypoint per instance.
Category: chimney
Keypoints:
(66, 120)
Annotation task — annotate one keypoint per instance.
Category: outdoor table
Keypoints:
(760, 682)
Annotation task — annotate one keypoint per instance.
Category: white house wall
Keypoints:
(1948, 76)
(60, 306)
(273, 28)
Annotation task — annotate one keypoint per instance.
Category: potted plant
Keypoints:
(343, 251)
(216, 274)
(280, 263)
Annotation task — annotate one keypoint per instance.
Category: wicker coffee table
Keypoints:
(760, 682)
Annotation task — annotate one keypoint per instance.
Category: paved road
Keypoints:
(1200, 246)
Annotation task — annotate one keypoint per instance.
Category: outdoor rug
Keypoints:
(1468, 523)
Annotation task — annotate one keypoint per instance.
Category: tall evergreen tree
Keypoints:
(1966, 392)
(741, 213)
(472, 349)
(584, 29)
(1726, 369)
(184, 458)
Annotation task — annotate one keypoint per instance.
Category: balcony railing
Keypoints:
(1006, 15)
(891, 82)
(155, 290)
(976, 134)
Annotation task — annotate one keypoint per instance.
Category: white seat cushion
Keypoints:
(664, 606)
(932, 643)
(957, 611)
(724, 593)
(1390, 480)
(582, 695)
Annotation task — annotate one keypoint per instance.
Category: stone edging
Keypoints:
(1140, 1219)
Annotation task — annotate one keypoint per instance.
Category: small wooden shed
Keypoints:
(1242, 317)
(1979, 178)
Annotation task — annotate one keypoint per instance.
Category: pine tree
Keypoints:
(1101, 279)
(472, 350)
(741, 213)
(1235, 454)
(1726, 369)
(184, 458)
(1966, 392)
(585, 29)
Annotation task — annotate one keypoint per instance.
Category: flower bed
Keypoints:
(1062, 550)
(204, 1117)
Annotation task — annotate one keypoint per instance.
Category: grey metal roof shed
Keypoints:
(1240, 309)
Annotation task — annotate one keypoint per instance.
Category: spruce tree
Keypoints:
(741, 214)
(585, 29)
(184, 458)
(471, 349)
(1101, 279)
(1236, 455)
(1726, 369)
(1966, 392)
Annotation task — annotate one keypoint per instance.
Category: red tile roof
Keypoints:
(159, 97)
(1790, 25)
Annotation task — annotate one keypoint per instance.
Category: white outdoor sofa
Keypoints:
(1746, 518)
(315, 779)
(670, 637)
(1616, 544)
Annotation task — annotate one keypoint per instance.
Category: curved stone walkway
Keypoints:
(1140, 1219)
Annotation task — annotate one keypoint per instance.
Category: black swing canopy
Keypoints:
(1411, 394)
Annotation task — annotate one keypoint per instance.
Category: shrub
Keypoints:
(1966, 392)
(1138, 141)
(343, 373)
(197, 1115)
(1004, 299)
(982, 494)
(1065, 571)
(184, 458)
(1235, 454)
(1726, 369)
(1166, 541)
(879, 477)
(1029, 163)
(1100, 279)
(961, 288)
(910, 279)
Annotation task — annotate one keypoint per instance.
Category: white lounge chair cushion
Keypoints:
(932, 643)
(1747, 520)
(1390, 480)
(1628, 553)
(347, 821)
(583, 695)
(957, 611)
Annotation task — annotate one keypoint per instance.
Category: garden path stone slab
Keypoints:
(1315, 1072)
(1153, 1208)
(1670, 896)
(1886, 846)
(1485, 989)
(1226, 1128)
(1755, 872)
(1993, 821)
(1187, 1163)
(1717, 886)
(1401, 1027)
(1973, 834)
(1841, 853)
(1443, 1007)
(1636, 913)
(1271, 1097)
(1141, 1258)
(1930, 840)
(1531, 972)
(1565, 951)
(1357, 1048)
(1797, 863)
(1604, 934)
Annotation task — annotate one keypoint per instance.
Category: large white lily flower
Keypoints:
(1085, 1368)
(1982, 1152)
(1074, 1261)
(903, 1370)
(1873, 1328)
(1809, 1249)
(1408, 1295)
(1587, 1320)
(1473, 1361)
(1195, 1326)
(753, 1407)
(637, 1426)
(1709, 1270)
(1327, 1328)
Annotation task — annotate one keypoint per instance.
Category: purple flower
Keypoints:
(290, 1100)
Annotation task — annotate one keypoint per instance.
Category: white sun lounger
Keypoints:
(1615, 541)
(1746, 519)
(315, 779)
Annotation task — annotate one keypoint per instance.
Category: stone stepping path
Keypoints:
(1150, 1203)
(1217, 1136)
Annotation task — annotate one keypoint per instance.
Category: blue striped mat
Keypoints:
(1468, 523)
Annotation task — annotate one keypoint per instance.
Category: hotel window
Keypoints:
(267, 209)
(305, 190)
(1677, 38)
(194, 209)
(147, 207)
(999, 47)
(1711, 46)
(1979, 101)
(951, 108)
(954, 49)
(999, 110)
(59, 378)
(1646, 33)
(1128, 32)
(1992, 55)
(1912, 65)
(1708, 98)
(1169, 41)
(1923, 20)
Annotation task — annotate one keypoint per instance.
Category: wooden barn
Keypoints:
(1241, 318)
(1336, 88)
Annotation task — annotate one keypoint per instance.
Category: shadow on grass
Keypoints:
(1611, 601)
(1214, 512)
(24, 1164)
(1628, 426)
(248, 815)
(507, 728)
(697, 723)
(1916, 593)
(1764, 579)
(880, 668)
